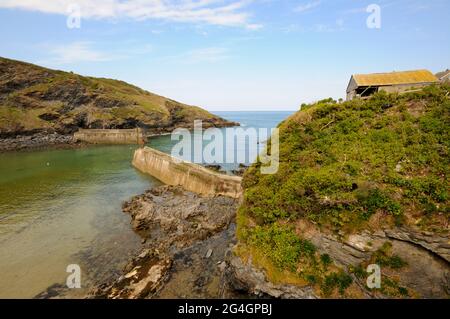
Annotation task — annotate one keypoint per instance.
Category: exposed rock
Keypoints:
(171, 215)
(34, 100)
(36, 140)
(245, 277)
(438, 244)
(181, 228)
(148, 273)
(427, 271)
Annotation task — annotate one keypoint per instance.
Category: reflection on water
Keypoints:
(61, 207)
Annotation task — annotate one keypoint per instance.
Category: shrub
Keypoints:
(376, 199)
(340, 280)
(281, 245)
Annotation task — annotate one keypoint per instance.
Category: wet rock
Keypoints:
(171, 215)
(147, 274)
(181, 228)
(54, 291)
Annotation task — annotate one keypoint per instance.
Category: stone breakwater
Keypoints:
(113, 136)
(190, 176)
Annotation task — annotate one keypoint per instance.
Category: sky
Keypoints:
(229, 55)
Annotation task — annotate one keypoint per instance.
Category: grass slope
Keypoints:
(33, 98)
(345, 167)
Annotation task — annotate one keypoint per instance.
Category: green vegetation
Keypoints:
(384, 258)
(391, 287)
(282, 245)
(349, 166)
(340, 163)
(340, 280)
(35, 98)
(287, 251)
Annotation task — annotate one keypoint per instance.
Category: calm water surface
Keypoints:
(61, 207)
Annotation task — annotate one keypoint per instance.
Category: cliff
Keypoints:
(361, 182)
(36, 100)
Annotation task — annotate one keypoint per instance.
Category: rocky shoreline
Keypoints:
(44, 139)
(38, 141)
(187, 252)
(189, 246)
(186, 240)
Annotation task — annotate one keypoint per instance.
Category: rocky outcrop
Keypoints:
(434, 242)
(37, 140)
(179, 217)
(185, 239)
(426, 271)
(34, 100)
(144, 276)
(243, 276)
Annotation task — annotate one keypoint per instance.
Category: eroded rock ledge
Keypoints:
(190, 239)
(426, 273)
(186, 239)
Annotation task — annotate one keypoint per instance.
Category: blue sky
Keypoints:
(229, 54)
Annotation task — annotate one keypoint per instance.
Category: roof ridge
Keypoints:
(417, 70)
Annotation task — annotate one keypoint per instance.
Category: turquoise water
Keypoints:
(61, 207)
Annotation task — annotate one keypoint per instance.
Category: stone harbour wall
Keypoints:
(111, 136)
(190, 176)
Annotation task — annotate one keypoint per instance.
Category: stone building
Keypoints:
(364, 85)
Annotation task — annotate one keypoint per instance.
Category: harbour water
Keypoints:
(62, 207)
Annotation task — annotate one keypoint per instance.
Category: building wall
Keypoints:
(403, 87)
(115, 136)
(190, 176)
(351, 87)
(396, 88)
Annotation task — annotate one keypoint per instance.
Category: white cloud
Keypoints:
(307, 6)
(76, 52)
(216, 12)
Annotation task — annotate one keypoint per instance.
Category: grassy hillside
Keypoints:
(33, 99)
(348, 167)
